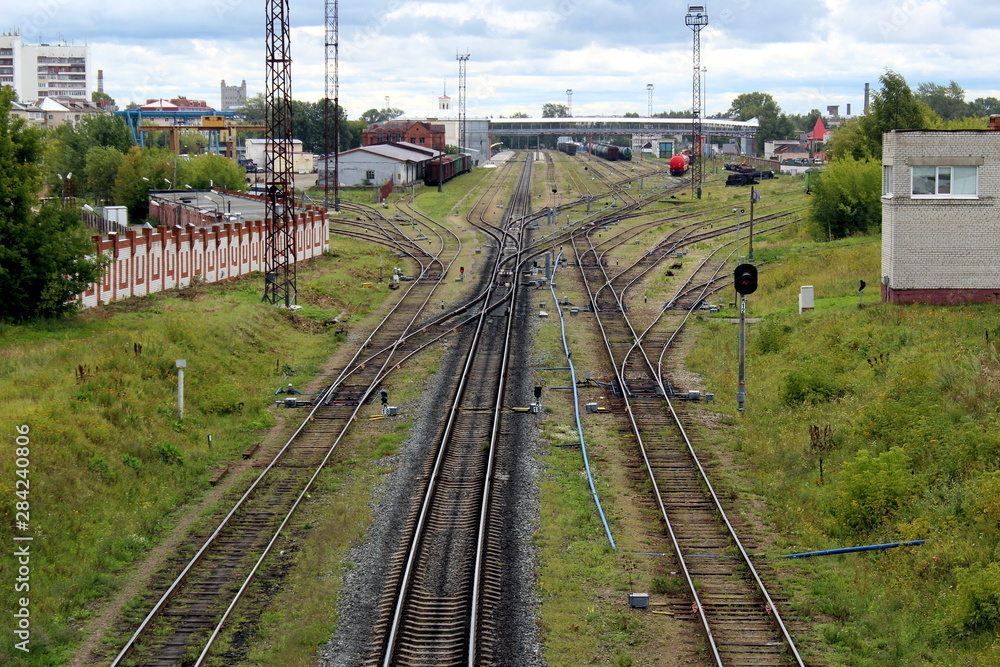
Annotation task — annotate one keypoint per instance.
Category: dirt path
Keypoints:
(142, 571)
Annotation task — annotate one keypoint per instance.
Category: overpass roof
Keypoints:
(618, 125)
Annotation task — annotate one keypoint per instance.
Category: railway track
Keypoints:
(189, 610)
(739, 618)
(444, 582)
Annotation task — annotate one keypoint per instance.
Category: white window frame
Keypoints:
(887, 180)
(942, 174)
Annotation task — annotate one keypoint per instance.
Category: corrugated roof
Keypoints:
(394, 152)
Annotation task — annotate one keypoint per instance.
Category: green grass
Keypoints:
(112, 464)
(910, 396)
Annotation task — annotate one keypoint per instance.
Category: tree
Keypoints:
(847, 198)
(100, 170)
(253, 109)
(893, 107)
(772, 123)
(984, 106)
(848, 141)
(103, 100)
(144, 169)
(206, 171)
(380, 115)
(519, 114)
(68, 145)
(550, 110)
(193, 143)
(44, 259)
(948, 102)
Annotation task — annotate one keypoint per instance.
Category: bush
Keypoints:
(170, 454)
(983, 505)
(810, 385)
(871, 488)
(99, 465)
(975, 607)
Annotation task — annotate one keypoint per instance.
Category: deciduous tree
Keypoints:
(847, 198)
(44, 259)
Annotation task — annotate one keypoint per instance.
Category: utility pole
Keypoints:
(745, 280)
(754, 198)
(279, 247)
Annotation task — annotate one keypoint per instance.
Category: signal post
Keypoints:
(745, 279)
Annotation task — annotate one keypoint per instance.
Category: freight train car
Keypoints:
(679, 164)
(567, 145)
(606, 151)
(625, 153)
(441, 170)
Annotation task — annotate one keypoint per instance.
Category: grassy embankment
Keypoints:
(112, 464)
(909, 394)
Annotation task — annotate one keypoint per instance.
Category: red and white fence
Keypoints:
(152, 260)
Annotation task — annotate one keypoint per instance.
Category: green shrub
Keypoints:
(975, 606)
(170, 455)
(99, 465)
(983, 504)
(772, 336)
(133, 462)
(870, 488)
(668, 585)
(810, 385)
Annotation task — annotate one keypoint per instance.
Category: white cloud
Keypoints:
(528, 52)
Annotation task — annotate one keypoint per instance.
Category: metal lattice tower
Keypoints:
(696, 19)
(280, 286)
(649, 99)
(569, 102)
(462, 58)
(332, 54)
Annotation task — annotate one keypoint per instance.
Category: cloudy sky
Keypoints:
(524, 53)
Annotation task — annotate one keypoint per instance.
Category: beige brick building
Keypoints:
(941, 216)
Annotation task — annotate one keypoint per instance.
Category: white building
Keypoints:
(401, 162)
(259, 151)
(477, 130)
(940, 190)
(37, 71)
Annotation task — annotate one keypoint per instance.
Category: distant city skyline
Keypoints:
(526, 54)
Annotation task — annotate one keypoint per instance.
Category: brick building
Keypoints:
(940, 215)
(409, 131)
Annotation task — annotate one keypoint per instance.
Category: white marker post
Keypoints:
(181, 363)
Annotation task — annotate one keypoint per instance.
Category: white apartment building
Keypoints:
(37, 71)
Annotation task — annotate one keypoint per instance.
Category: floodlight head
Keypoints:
(696, 18)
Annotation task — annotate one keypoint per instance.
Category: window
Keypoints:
(946, 182)
(370, 175)
(887, 180)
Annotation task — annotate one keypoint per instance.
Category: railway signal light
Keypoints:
(385, 397)
(461, 269)
(746, 279)
(538, 391)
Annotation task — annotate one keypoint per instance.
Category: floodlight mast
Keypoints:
(332, 63)
(462, 59)
(696, 19)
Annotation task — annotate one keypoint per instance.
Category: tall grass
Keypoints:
(112, 463)
(910, 396)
